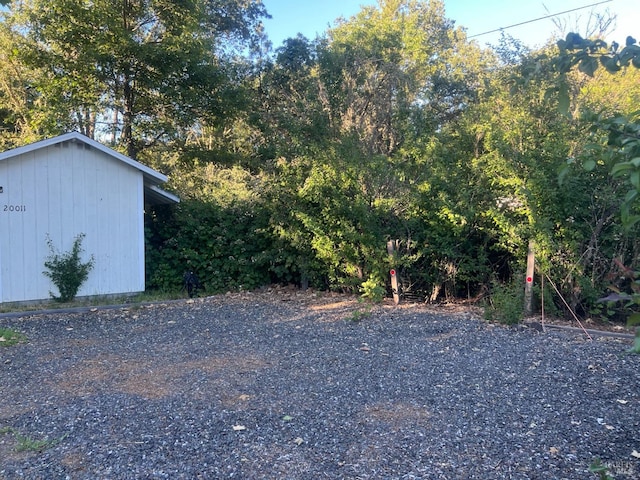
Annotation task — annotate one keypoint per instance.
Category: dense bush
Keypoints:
(225, 246)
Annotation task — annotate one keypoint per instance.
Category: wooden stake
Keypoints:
(528, 286)
(391, 250)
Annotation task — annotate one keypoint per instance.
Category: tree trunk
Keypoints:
(127, 118)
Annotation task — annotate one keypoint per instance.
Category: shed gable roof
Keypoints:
(152, 178)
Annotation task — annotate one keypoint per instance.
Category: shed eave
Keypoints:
(154, 195)
(149, 174)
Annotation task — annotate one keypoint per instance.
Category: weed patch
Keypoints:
(28, 444)
(506, 303)
(10, 337)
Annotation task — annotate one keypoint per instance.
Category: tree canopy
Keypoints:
(137, 70)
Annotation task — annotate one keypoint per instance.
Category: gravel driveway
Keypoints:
(285, 385)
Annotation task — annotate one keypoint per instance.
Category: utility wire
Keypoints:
(538, 19)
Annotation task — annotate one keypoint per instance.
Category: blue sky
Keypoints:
(311, 17)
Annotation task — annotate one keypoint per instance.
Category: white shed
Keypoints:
(63, 187)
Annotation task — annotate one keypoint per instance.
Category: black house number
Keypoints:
(14, 208)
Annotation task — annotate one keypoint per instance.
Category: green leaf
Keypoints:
(620, 168)
(629, 221)
(599, 468)
(626, 55)
(636, 343)
(589, 165)
(634, 178)
(575, 41)
(610, 64)
(630, 196)
(563, 100)
(633, 320)
(588, 66)
(563, 171)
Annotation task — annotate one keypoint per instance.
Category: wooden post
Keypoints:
(528, 286)
(391, 250)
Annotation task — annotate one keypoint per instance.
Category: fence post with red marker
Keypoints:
(391, 250)
(528, 286)
(394, 286)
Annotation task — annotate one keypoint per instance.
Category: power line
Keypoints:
(538, 19)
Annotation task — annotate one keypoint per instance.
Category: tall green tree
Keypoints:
(341, 110)
(288, 109)
(587, 56)
(16, 98)
(385, 65)
(141, 71)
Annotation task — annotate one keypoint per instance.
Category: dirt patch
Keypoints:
(146, 377)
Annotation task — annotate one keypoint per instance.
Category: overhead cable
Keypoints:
(538, 19)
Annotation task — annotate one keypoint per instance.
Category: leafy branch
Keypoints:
(588, 55)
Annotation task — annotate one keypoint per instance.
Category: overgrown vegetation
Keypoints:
(505, 303)
(619, 157)
(228, 247)
(372, 290)
(66, 270)
(297, 165)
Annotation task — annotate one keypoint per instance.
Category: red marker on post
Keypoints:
(528, 286)
(392, 247)
(394, 286)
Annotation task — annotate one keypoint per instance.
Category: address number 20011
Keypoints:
(14, 208)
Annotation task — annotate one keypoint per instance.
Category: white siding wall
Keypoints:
(62, 191)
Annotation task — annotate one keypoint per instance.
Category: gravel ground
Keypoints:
(285, 385)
